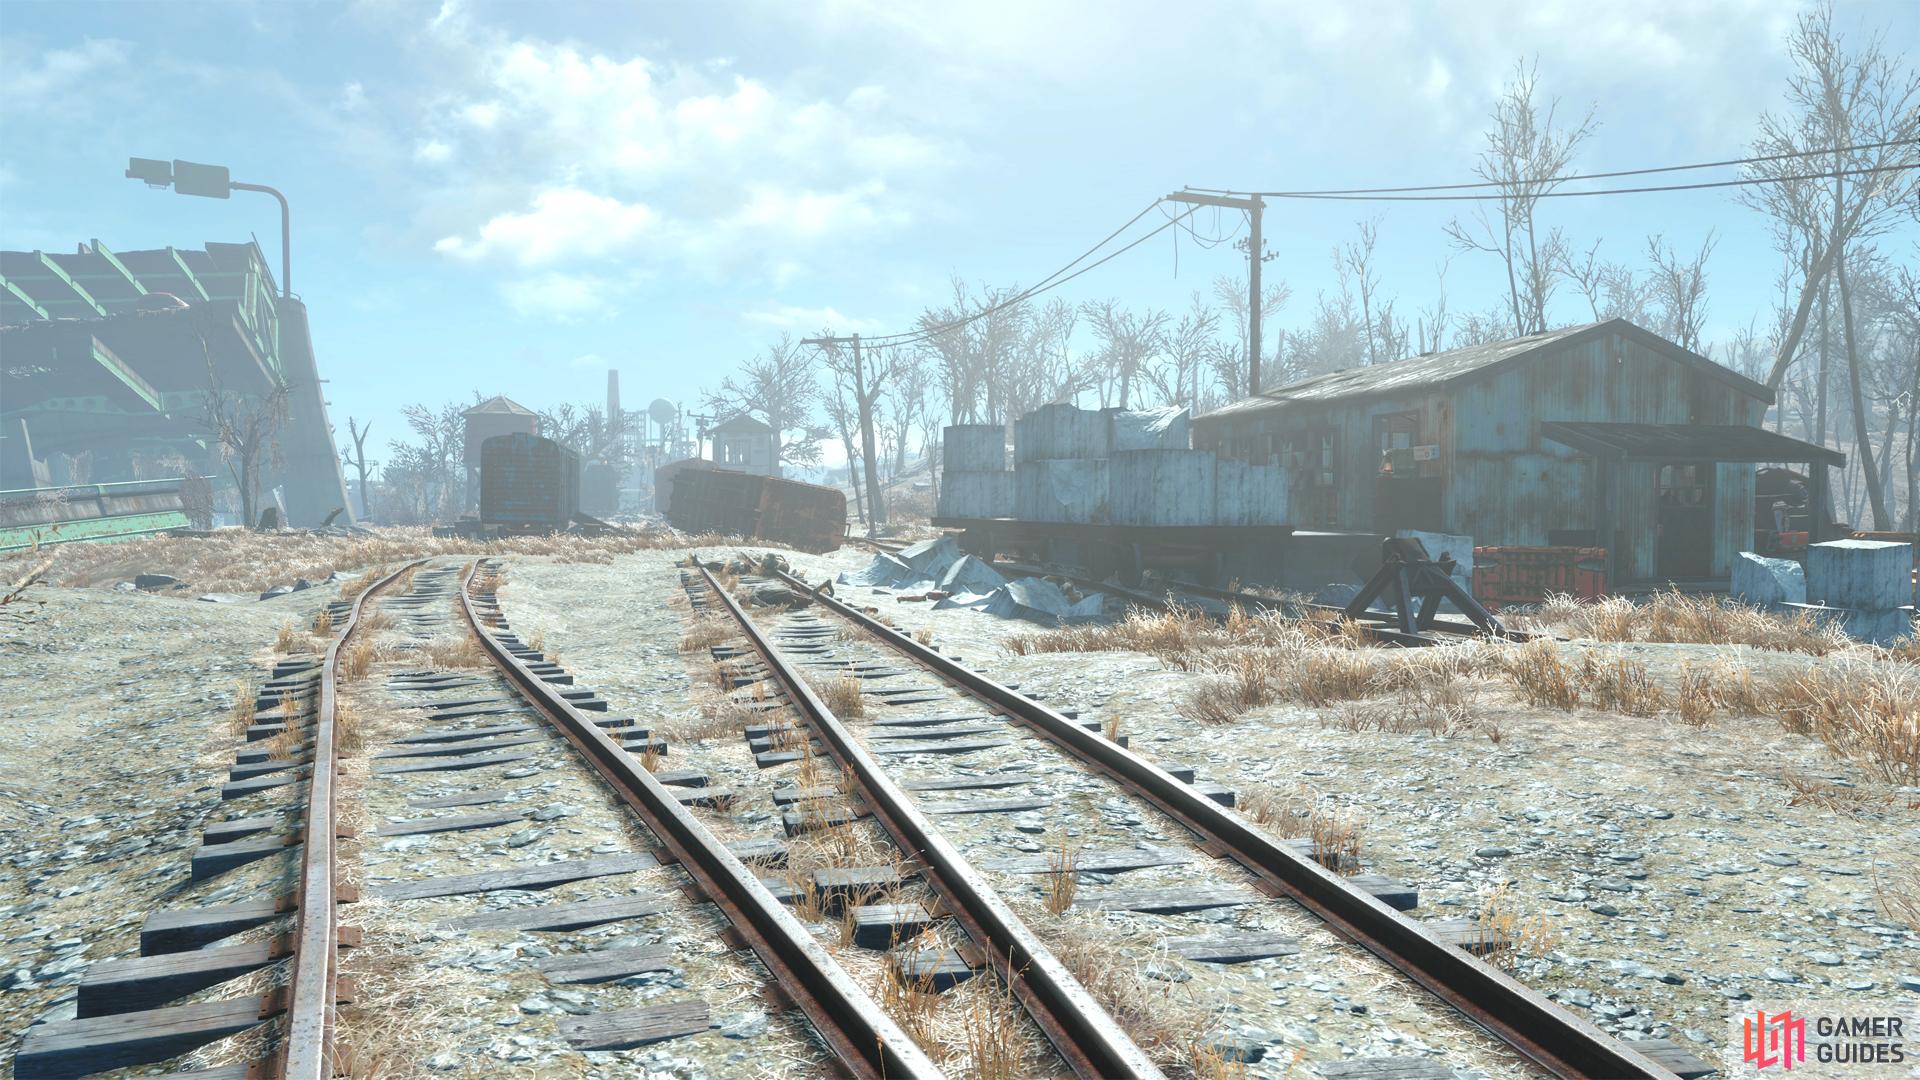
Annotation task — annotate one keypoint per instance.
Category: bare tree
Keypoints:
(1836, 99)
(865, 376)
(780, 388)
(1525, 150)
(1176, 380)
(358, 460)
(1128, 343)
(1231, 367)
(436, 465)
(1357, 258)
(1679, 290)
(246, 428)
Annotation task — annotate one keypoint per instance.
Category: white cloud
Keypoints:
(807, 319)
(589, 150)
(562, 223)
(562, 297)
(432, 152)
(31, 81)
(590, 360)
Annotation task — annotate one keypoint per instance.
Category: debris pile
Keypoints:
(938, 570)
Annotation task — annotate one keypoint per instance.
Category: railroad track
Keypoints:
(126, 1018)
(1088, 1040)
(1439, 962)
(121, 1019)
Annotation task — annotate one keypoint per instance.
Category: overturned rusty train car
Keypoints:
(805, 517)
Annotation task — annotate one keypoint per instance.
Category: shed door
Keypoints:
(1685, 521)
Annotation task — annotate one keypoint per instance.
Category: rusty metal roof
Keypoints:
(1686, 442)
(1456, 364)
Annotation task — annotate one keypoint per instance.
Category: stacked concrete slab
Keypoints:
(1245, 494)
(1866, 586)
(974, 479)
(1768, 583)
(1162, 487)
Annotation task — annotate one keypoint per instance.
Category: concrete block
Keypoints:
(1885, 627)
(1872, 575)
(1765, 582)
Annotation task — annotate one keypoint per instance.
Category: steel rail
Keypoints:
(307, 1045)
(1538, 1029)
(856, 1030)
(1088, 1039)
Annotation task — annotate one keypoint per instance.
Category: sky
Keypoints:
(515, 197)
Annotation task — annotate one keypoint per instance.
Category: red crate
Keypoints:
(1525, 575)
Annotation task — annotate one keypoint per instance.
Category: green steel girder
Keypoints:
(100, 249)
(187, 272)
(21, 295)
(79, 291)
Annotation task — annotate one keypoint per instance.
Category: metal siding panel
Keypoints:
(1732, 514)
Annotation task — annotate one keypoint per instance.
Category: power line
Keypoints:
(1052, 281)
(1488, 197)
(1582, 176)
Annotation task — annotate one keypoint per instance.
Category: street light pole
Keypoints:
(212, 182)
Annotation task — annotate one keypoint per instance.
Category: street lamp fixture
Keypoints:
(212, 182)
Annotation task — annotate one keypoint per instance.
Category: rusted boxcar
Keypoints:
(806, 517)
(528, 484)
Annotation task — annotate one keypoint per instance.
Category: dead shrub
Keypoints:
(1865, 713)
(1505, 936)
(1696, 701)
(996, 1049)
(1327, 677)
(1674, 616)
(842, 697)
(323, 622)
(290, 640)
(1233, 687)
(1285, 812)
(455, 651)
(706, 631)
(357, 658)
(1826, 794)
(1621, 686)
(243, 706)
(1336, 834)
(1897, 895)
(1063, 877)
(1542, 677)
(1404, 717)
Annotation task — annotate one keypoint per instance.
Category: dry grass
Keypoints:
(650, 757)
(1505, 936)
(1160, 1017)
(1183, 635)
(1621, 685)
(705, 631)
(1839, 798)
(290, 639)
(349, 734)
(1403, 717)
(241, 716)
(240, 560)
(842, 696)
(924, 636)
(1696, 702)
(1284, 812)
(1537, 670)
(1063, 878)
(323, 622)
(1682, 617)
(1336, 835)
(1865, 713)
(453, 651)
(912, 1002)
(357, 658)
(995, 1047)
(1897, 895)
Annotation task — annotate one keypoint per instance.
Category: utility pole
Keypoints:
(1256, 255)
(863, 399)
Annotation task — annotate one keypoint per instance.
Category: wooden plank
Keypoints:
(1101, 861)
(75, 1048)
(240, 789)
(984, 806)
(969, 783)
(938, 969)
(1232, 948)
(924, 721)
(456, 823)
(190, 928)
(712, 798)
(543, 876)
(1386, 1068)
(471, 798)
(450, 764)
(883, 926)
(573, 915)
(480, 710)
(1395, 894)
(1673, 1057)
(135, 983)
(458, 734)
(222, 832)
(941, 732)
(625, 1029)
(446, 749)
(960, 747)
(681, 777)
(608, 964)
(216, 859)
(770, 850)
(1166, 901)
